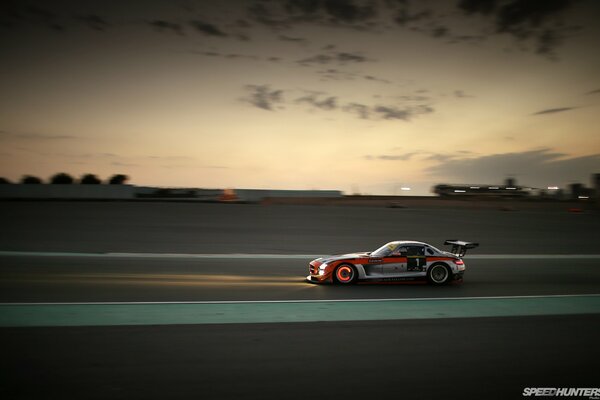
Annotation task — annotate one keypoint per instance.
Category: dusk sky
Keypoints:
(360, 96)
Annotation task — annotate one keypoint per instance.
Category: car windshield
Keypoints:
(384, 250)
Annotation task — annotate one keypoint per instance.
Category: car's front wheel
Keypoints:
(345, 274)
(438, 274)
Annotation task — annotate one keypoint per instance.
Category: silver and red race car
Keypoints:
(394, 261)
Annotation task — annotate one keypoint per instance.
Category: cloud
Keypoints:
(539, 167)
(209, 53)
(554, 110)
(14, 14)
(229, 55)
(346, 11)
(350, 57)
(520, 16)
(539, 24)
(387, 112)
(35, 136)
(329, 103)
(95, 22)
(461, 94)
(170, 158)
(395, 157)
(123, 164)
(242, 23)
(84, 155)
(45, 17)
(263, 97)
(375, 79)
(246, 56)
(207, 28)
(524, 20)
(298, 40)
(469, 39)
(264, 15)
(484, 7)
(440, 157)
(341, 13)
(547, 41)
(235, 55)
(214, 167)
(414, 97)
(242, 37)
(405, 114)
(404, 16)
(39, 136)
(335, 74)
(360, 110)
(428, 22)
(340, 58)
(440, 31)
(166, 26)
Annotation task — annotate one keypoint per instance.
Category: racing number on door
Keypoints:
(416, 259)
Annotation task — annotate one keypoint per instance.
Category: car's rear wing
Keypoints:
(460, 247)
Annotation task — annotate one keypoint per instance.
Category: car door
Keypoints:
(373, 266)
(416, 260)
(395, 263)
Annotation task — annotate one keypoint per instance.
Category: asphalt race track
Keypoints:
(253, 228)
(477, 358)
(80, 319)
(81, 279)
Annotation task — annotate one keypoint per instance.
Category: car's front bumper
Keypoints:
(318, 278)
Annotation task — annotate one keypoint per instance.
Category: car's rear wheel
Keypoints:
(345, 274)
(438, 274)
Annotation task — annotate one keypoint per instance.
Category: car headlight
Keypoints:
(322, 268)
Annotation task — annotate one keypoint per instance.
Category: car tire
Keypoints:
(439, 274)
(345, 274)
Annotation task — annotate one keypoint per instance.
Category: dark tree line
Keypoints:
(65, 179)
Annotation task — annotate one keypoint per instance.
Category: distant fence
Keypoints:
(74, 191)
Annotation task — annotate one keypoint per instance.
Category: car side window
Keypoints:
(416, 251)
(399, 251)
(430, 252)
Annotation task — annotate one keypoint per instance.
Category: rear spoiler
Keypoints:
(459, 247)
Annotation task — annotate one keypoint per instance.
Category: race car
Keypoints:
(394, 261)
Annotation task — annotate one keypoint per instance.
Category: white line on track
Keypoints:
(281, 256)
(310, 301)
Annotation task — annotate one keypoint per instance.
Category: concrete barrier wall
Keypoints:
(75, 191)
(260, 194)
(149, 192)
(122, 192)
